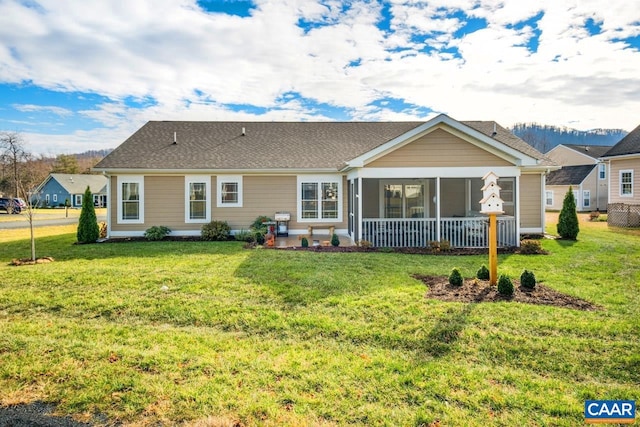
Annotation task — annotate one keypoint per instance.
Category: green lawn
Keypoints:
(210, 334)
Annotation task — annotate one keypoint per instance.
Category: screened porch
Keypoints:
(415, 212)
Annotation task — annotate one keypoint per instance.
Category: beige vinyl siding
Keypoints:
(616, 167)
(436, 149)
(530, 199)
(559, 192)
(164, 202)
(567, 157)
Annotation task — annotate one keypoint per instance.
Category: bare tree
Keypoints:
(13, 155)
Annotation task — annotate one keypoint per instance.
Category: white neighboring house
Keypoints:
(583, 170)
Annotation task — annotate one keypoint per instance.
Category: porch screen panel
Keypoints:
(393, 201)
(310, 200)
(130, 200)
(415, 200)
(197, 200)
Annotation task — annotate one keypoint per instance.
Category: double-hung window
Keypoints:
(229, 192)
(78, 198)
(548, 198)
(197, 199)
(586, 198)
(130, 199)
(626, 183)
(602, 171)
(320, 198)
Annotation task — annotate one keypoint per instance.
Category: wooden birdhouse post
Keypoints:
(491, 204)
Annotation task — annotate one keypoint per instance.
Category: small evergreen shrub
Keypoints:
(455, 278)
(258, 236)
(483, 273)
(258, 223)
(304, 242)
(216, 231)
(157, 232)
(531, 247)
(88, 231)
(505, 286)
(528, 279)
(335, 240)
(568, 227)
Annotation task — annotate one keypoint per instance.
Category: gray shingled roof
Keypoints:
(595, 151)
(569, 175)
(267, 145)
(77, 183)
(630, 144)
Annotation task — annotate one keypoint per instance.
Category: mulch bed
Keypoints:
(474, 290)
(29, 261)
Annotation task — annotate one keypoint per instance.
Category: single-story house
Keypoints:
(576, 177)
(591, 189)
(389, 183)
(58, 187)
(623, 161)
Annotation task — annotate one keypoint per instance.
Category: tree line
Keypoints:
(21, 170)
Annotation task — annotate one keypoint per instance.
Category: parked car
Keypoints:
(19, 202)
(10, 205)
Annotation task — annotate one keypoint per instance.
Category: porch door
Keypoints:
(402, 200)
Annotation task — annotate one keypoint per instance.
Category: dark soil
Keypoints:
(474, 290)
(36, 414)
(29, 261)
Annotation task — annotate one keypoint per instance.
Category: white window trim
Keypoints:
(586, 198)
(319, 179)
(77, 199)
(630, 171)
(226, 179)
(602, 167)
(55, 198)
(46, 198)
(189, 179)
(138, 179)
(547, 192)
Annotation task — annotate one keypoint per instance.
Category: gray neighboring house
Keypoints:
(58, 187)
(389, 183)
(584, 172)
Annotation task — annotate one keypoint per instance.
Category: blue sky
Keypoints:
(77, 76)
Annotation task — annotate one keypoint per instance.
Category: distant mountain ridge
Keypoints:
(545, 137)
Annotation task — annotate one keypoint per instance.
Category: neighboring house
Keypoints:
(576, 177)
(58, 187)
(389, 183)
(624, 180)
(590, 185)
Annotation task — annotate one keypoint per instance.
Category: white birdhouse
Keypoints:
(491, 202)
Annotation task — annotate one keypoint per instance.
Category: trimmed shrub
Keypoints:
(505, 286)
(335, 240)
(455, 278)
(88, 231)
(568, 227)
(483, 273)
(157, 232)
(304, 242)
(531, 247)
(216, 231)
(528, 279)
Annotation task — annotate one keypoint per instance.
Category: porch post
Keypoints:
(438, 209)
(359, 211)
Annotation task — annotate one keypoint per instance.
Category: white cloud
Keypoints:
(193, 63)
(59, 111)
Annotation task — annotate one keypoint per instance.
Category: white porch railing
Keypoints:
(468, 232)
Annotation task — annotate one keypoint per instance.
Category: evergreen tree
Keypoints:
(88, 230)
(568, 227)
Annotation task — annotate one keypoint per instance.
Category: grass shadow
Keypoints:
(443, 337)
